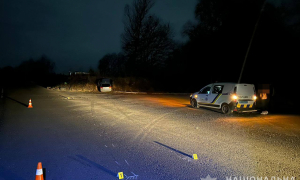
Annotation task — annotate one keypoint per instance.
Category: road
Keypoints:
(95, 136)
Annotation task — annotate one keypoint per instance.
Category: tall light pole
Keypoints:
(262, 9)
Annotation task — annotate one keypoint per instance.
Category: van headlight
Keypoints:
(234, 97)
(196, 96)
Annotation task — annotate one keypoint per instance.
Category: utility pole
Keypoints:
(262, 9)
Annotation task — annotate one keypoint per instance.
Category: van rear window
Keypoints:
(245, 89)
(105, 85)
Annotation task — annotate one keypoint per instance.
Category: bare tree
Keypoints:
(146, 41)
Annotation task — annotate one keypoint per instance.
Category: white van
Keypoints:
(104, 85)
(227, 97)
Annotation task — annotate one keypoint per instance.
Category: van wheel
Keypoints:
(194, 103)
(225, 109)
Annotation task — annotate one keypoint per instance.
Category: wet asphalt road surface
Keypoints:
(96, 135)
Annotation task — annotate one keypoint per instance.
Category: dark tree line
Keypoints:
(34, 69)
(39, 71)
(112, 65)
(216, 46)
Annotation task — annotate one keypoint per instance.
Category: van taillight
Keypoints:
(101, 87)
(109, 87)
(254, 97)
(234, 97)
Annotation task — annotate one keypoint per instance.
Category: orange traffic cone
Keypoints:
(39, 172)
(30, 104)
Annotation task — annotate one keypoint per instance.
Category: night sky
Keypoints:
(74, 34)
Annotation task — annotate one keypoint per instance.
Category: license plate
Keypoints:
(243, 102)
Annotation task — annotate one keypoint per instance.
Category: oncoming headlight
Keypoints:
(196, 96)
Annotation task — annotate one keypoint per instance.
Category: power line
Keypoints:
(262, 9)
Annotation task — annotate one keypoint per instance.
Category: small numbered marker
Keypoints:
(121, 175)
(195, 156)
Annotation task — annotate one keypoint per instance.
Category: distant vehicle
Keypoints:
(227, 97)
(104, 85)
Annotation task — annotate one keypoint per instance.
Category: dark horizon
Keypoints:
(74, 35)
(217, 33)
(77, 41)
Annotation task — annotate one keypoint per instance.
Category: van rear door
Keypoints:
(245, 91)
(245, 94)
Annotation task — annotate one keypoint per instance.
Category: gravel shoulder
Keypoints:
(96, 135)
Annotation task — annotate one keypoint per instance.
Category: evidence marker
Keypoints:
(195, 157)
(120, 175)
